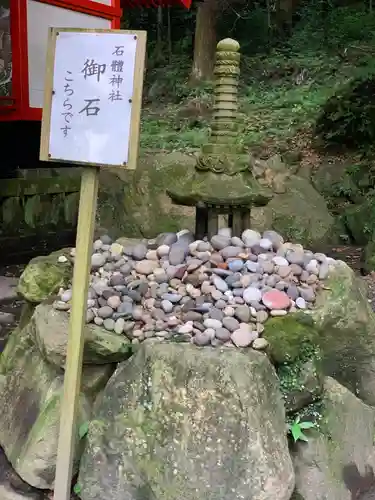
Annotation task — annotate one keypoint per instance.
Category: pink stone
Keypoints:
(275, 299)
(244, 336)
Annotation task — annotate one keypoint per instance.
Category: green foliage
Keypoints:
(297, 427)
(77, 489)
(83, 430)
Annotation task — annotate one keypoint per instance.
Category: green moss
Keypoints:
(289, 335)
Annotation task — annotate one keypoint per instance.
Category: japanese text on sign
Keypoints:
(94, 97)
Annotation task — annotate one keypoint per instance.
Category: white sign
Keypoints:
(93, 92)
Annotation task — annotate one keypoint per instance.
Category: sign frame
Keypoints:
(135, 117)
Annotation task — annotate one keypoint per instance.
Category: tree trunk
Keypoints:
(205, 41)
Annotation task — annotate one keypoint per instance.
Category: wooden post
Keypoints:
(73, 370)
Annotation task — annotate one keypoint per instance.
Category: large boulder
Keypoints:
(341, 326)
(176, 421)
(43, 276)
(50, 329)
(345, 437)
(300, 214)
(31, 389)
(136, 203)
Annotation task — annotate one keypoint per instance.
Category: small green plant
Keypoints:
(77, 489)
(297, 427)
(83, 430)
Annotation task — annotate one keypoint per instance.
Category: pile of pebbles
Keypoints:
(217, 292)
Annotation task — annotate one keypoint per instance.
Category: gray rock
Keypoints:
(219, 242)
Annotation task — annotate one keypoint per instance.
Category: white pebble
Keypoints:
(62, 259)
(280, 261)
(301, 303)
(252, 294)
(186, 328)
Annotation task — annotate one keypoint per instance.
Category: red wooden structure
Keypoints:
(23, 43)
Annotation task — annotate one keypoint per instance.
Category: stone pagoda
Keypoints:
(222, 181)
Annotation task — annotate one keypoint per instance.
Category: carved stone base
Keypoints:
(207, 219)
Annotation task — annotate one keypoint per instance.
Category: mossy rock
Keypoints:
(136, 204)
(30, 397)
(289, 335)
(43, 276)
(300, 215)
(345, 435)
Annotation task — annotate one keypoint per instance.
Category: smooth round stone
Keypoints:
(139, 251)
(312, 279)
(204, 246)
(295, 257)
(177, 254)
(221, 304)
(242, 313)
(106, 240)
(252, 294)
(284, 271)
(260, 344)
(109, 324)
(220, 284)
(312, 267)
(280, 261)
(235, 265)
(160, 275)
(97, 260)
(244, 336)
(117, 280)
(158, 314)
(292, 292)
(167, 306)
(114, 301)
(116, 249)
(225, 231)
(222, 334)
(250, 237)
(66, 296)
(301, 303)
(97, 245)
(212, 323)
(219, 241)
(163, 251)
(119, 325)
(228, 311)
(137, 313)
(145, 267)
(275, 299)
(261, 316)
(215, 313)
(60, 305)
(278, 312)
(307, 293)
(230, 323)
(105, 312)
(265, 244)
(267, 267)
(253, 267)
(126, 269)
(296, 269)
(202, 339)
(98, 321)
(236, 241)
(152, 255)
(276, 238)
(186, 328)
(166, 239)
(229, 252)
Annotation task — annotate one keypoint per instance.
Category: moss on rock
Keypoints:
(289, 335)
(43, 276)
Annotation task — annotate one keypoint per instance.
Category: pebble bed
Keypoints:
(210, 293)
